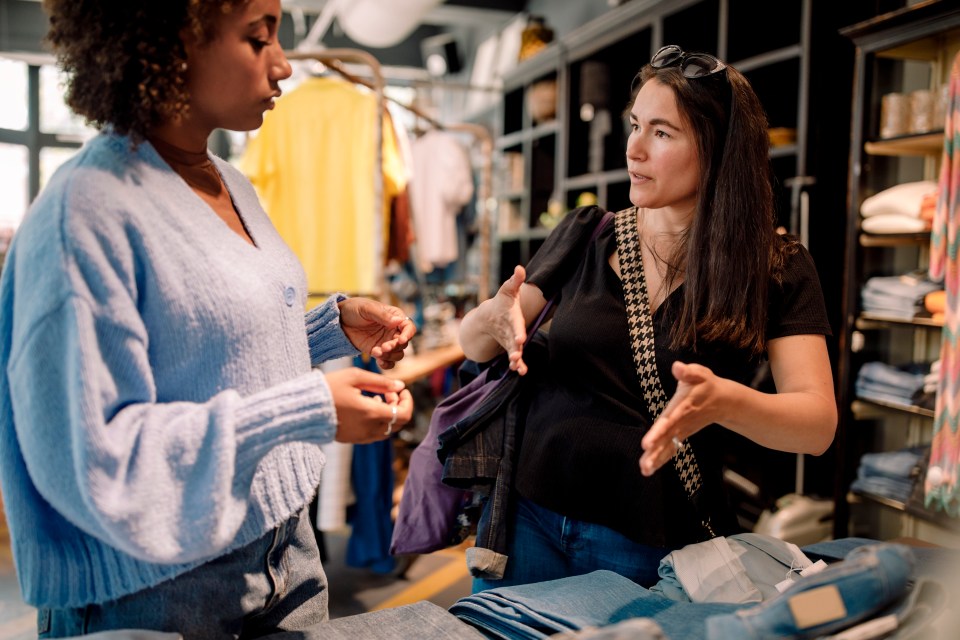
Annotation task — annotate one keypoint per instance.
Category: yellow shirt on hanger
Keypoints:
(312, 164)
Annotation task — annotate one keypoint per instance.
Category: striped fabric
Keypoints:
(942, 486)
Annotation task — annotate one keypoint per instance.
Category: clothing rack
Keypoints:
(482, 138)
(334, 59)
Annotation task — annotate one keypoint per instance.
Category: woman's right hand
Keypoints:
(362, 419)
(506, 322)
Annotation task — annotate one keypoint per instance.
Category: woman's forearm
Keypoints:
(798, 422)
(477, 343)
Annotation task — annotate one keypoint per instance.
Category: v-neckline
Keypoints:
(201, 171)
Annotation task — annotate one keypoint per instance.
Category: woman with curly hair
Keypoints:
(160, 421)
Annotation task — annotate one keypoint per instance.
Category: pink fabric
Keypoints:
(942, 489)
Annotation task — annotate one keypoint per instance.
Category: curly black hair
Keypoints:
(125, 60)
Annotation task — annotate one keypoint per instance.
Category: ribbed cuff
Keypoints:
(301, 410)
(325, 336)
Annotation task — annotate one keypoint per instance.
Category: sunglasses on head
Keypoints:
(692, 65)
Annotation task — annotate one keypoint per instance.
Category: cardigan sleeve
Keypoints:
(325, 337)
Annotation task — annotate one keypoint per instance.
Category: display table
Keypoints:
(420, 365)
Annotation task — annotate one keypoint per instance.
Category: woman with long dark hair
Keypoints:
(651, 363)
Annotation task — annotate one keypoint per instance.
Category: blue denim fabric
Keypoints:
(422, 620)
(870, 578)
(891, 474)
(633, 629)
(929, 562)
(597, 599)
(742, 568)
(912, 617)
(544, 545)
(275, 583)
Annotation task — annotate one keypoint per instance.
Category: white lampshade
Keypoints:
(382, 23)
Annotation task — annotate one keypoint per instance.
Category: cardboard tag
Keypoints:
(817, 606)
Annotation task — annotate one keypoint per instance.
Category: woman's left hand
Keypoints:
(379, 329)
(696, 404)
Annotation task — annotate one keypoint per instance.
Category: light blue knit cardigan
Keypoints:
(157, 404)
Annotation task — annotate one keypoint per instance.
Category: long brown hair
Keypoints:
(125, 60)
(731, 250)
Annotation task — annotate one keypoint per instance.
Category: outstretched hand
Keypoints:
(361, 418)
(372, 327)
(507, 325)
(696, 404)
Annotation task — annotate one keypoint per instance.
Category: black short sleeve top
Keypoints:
(581, 440)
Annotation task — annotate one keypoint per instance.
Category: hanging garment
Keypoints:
(443, 184)
(313, 163)
(372, 480)
(942, 483)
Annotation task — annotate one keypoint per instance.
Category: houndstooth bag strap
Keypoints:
(640, 325)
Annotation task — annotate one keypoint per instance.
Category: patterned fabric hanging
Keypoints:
(942, 484)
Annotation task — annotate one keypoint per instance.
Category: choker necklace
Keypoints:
(195, 167)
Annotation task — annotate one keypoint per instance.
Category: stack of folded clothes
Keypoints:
(882, 382)
(890, 474)
(756, 588)
(897, 296)
(902, 208)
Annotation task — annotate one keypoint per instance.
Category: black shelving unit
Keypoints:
(902, 50)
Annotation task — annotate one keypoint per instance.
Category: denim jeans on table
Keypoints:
(870, 578)
(422, 621)
(544, 545)
(230, 597)
(597, 599)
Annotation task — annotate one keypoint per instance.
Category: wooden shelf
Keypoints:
(868, 320)
(915, 510)
(420, 365)
(926, 144)
(860, 404)
(894, 239)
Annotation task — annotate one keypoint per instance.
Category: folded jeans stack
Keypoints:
(890, 474)
(897, 296)
(884, 382)
(601, 604)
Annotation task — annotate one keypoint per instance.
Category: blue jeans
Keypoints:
(273, 584)
(598, 599)
(870, 578)
(543, 545)
(422, 620)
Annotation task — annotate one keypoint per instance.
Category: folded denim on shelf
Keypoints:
(899, 464)
(907, 286)
(870, 578)
(880, 393)
(899, 490)
(886, 383)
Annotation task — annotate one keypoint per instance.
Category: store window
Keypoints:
(13, 184)
(13, 98)
(50, 160)
(32, 146)
(55, 116)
